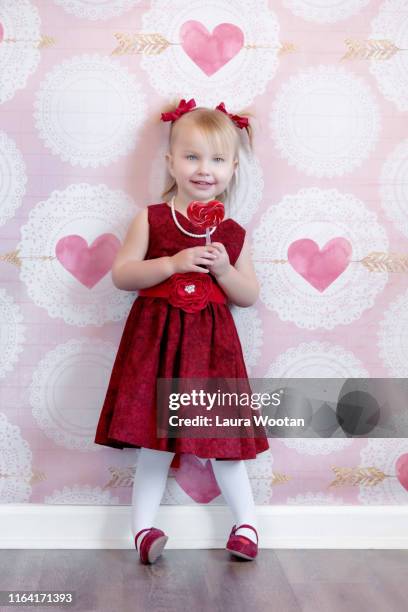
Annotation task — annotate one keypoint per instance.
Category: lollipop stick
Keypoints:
(207, 236)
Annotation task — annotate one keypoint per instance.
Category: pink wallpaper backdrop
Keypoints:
(81, 152)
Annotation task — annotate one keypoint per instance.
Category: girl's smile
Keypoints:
(202, 184)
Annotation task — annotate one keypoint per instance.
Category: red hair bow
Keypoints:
(240, 122)
(183, 107)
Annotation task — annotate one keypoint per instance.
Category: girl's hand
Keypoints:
(221, 262)
(188, 260)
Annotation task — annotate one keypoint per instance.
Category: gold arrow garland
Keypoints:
(370, 49)
(155, 43)
(358, 476)
(123, 477)
(36, 476)
(45, 41)
(375, 261)
(369, 476)
(15, 258)
(385, 262)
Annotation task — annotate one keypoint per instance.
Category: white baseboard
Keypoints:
(201, 526)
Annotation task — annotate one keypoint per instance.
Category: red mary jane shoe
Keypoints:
(152, 544)
(241, 546)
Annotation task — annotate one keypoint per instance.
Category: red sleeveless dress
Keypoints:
(162, 340)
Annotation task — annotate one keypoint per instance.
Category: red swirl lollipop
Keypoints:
(206, 215)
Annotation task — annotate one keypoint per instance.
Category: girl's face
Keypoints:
(201, 172)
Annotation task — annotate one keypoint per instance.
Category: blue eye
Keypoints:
(192, 155)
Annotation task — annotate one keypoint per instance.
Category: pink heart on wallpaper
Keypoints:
(196, 479)
(320, 267)
(402, 470)
(211, 51)
(1, 32)
(87, 264)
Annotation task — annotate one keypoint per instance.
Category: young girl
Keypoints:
(193, 336)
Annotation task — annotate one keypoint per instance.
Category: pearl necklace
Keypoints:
(182, 228)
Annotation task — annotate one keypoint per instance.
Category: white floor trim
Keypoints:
(202, 526)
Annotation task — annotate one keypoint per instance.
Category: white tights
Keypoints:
(150, 482)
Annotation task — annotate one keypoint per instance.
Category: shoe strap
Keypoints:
(138, 534)
(235, 528)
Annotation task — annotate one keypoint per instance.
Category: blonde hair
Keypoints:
(219, 129)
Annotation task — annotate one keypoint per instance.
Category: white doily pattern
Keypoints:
(250, 332)
(391, 75)
(244, 199)
(316, 446)
(89, 110)
(246, 194)
(13, 178)
(317, 360)
(329, 11)
(19, 59)
(81, 494)
(15, 464)
(11, 333)
(313, 499)
(67, 391)
(96, 9)
(393, 337)
(89, 211)
(316, 124)
(319, 215)
(383, 453)
(394, 187)
(241, 79)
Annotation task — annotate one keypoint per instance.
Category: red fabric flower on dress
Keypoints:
(190, 291)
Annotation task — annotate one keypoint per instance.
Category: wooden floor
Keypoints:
(201, 580)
